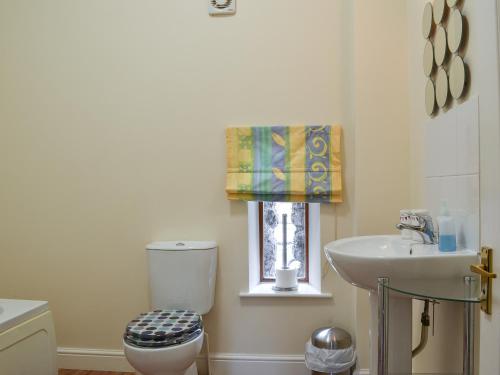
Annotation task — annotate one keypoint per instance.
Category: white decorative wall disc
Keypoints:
(440, 45)
(455, 30)
(427, 24)
(457, 77)
(439, 11)
(428, 58)
(430, 97)
(441, 88)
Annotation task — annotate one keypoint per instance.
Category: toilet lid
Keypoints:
(161, 328)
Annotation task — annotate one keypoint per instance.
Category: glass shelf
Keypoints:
(460, 289)
(464, 289)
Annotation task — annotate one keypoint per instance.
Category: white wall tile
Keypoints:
(467, 116)
(462, 195)
(452, 141)
(452, 169)
(434, 192)
(465, 209)
(440, 145)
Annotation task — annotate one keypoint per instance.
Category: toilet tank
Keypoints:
(182, 274)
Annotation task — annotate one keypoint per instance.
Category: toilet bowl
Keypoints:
(164, 342)
(167, 340)
(171, 360)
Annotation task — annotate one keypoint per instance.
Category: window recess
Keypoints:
(262, 255)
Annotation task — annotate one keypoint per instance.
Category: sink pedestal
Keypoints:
(400, 334)
(365, 261)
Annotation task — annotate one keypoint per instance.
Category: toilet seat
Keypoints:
(162, 328)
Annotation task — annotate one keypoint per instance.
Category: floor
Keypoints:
(88, 372)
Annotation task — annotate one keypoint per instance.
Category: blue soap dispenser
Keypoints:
(447, 231)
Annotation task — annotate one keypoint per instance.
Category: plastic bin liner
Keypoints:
(329, 360)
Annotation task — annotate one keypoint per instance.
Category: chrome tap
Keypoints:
(421, 224)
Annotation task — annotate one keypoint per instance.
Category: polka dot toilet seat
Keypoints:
(160, 328)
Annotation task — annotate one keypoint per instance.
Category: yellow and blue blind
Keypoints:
(284, 163)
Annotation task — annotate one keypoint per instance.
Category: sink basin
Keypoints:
(362, 260)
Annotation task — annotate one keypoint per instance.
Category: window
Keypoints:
(271, 216)
(265, 242)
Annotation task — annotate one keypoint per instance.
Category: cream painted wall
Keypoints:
(380, 83)
(380, 114)
(112, 117)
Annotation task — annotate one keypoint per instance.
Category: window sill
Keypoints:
(265, 290)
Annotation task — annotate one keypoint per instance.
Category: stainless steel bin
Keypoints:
(333, 339)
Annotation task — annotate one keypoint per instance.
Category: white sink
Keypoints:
(362, 260)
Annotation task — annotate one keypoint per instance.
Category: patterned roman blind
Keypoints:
(284, 164)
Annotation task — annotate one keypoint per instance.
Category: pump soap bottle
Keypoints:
(447, 231)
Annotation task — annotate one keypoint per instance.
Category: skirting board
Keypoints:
(222, 363)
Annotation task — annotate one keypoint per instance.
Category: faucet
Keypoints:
(425, 228)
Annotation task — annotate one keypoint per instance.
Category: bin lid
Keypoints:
(331, 338)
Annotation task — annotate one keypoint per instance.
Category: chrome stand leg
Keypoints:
(383, 326)
(468, 344)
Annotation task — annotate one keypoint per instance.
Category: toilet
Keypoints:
(167, 339)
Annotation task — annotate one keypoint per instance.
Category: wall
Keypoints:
(447, 316)
(380, 113)
(482, 59)
(113, 115)
(380, 81)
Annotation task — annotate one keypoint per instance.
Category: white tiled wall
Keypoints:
(452, 168)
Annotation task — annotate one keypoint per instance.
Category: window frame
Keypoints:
(263, 279)
(256, 289)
